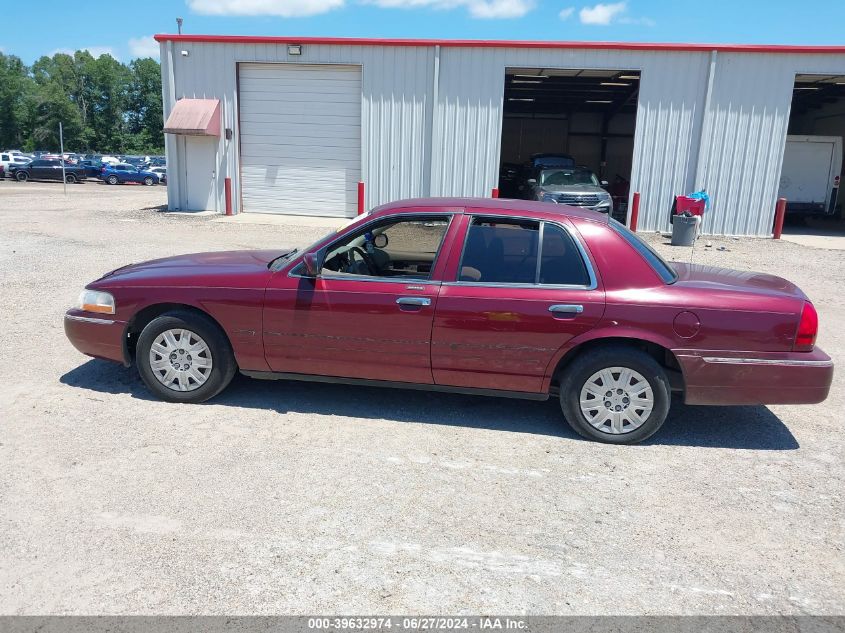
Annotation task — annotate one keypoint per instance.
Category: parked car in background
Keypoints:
(577, 187)
(110, 160)
(124, 172)
(529, 169)
(7, 160)
(49, 169)
(93, 168)
(161, 172)
(493, 297)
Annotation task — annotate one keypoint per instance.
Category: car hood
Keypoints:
(572, 189)
(213, 269)
(724, 279)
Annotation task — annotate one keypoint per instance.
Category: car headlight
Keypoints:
(96, 301)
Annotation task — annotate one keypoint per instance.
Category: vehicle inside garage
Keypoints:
(588, 115)
(813, 157)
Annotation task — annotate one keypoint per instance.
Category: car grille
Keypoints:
(578, 200)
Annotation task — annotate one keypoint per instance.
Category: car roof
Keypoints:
(494, 206)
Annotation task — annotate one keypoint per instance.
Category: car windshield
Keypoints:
(564, 177)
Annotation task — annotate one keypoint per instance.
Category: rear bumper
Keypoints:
(737, 378)
(98, 336)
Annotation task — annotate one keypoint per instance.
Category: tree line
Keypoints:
(104, 106)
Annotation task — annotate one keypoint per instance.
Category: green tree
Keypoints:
(15, 86)
(145, 111)
(102, 104)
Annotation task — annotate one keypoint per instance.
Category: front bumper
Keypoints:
(743, 378)
(97, 335)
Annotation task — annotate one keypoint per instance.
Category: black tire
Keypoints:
(223, 360)
(112, 180)
(149, 181)
(71, 179)
(577, 374)
(21, 176)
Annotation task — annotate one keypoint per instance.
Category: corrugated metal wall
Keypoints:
(425, 137)
(397, 85)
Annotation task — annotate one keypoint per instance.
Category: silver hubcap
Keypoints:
(180, 360)
(616, 400)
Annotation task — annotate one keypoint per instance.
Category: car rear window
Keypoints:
(660, 266)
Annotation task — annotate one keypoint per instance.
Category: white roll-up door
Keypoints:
(300, 138)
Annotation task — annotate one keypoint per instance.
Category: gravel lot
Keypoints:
(306, 498)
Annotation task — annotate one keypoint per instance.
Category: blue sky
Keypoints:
(125, 29)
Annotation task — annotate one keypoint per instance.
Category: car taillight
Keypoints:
(808, 327)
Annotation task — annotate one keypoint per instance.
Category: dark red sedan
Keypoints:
(499, 297)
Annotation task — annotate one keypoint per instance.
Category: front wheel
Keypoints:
(21, 176)
(70, 179)
(148, 181)
(184, 357)
(615, 394)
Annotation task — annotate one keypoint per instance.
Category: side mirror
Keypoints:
(313, 263)
(531, 181)
(604, 183)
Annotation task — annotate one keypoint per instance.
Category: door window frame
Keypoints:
(585, 258)
(440, 256)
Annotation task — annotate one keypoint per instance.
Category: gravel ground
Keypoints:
(306, 498)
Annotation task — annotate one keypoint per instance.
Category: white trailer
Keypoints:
(810, 175)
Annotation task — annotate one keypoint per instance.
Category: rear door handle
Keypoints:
(566, 308)
(413, 301)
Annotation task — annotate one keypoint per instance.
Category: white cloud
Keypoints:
(483, 9)
(566, 13)
(95, 51)
(143, 47)
(602, 14)
(638, 21)
(281, 8)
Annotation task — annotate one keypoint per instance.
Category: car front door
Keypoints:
(369, 312)
(521, 290)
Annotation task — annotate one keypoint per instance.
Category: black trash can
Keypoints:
(683, 230)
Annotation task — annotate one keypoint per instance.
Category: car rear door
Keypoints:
(520, 290)
(367, 326)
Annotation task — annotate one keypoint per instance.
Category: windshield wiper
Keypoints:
(282, 257)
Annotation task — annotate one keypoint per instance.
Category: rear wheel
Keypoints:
(149, 181)
(112, 180)
(71, 179)
(615, 394)
(21, 176)
(184, 357)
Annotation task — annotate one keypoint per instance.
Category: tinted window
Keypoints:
(501, 251)
(560, 260)
(667, 274)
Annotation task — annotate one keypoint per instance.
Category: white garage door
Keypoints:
(300, 138)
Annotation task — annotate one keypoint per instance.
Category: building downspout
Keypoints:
(704, 138)
(432, 185)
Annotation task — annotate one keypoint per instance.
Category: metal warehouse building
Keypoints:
(291, 125)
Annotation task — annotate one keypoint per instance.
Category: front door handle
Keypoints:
(413, 301)
(566, 308)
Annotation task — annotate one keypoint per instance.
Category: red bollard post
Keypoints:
(635, 211)
(360, 198)
(780, 214)
(495, 192)
(227, 188)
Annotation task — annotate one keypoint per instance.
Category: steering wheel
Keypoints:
(369, 262)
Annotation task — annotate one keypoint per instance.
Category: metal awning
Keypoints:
(194, 117)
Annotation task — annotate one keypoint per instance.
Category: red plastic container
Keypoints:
(683, 203)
